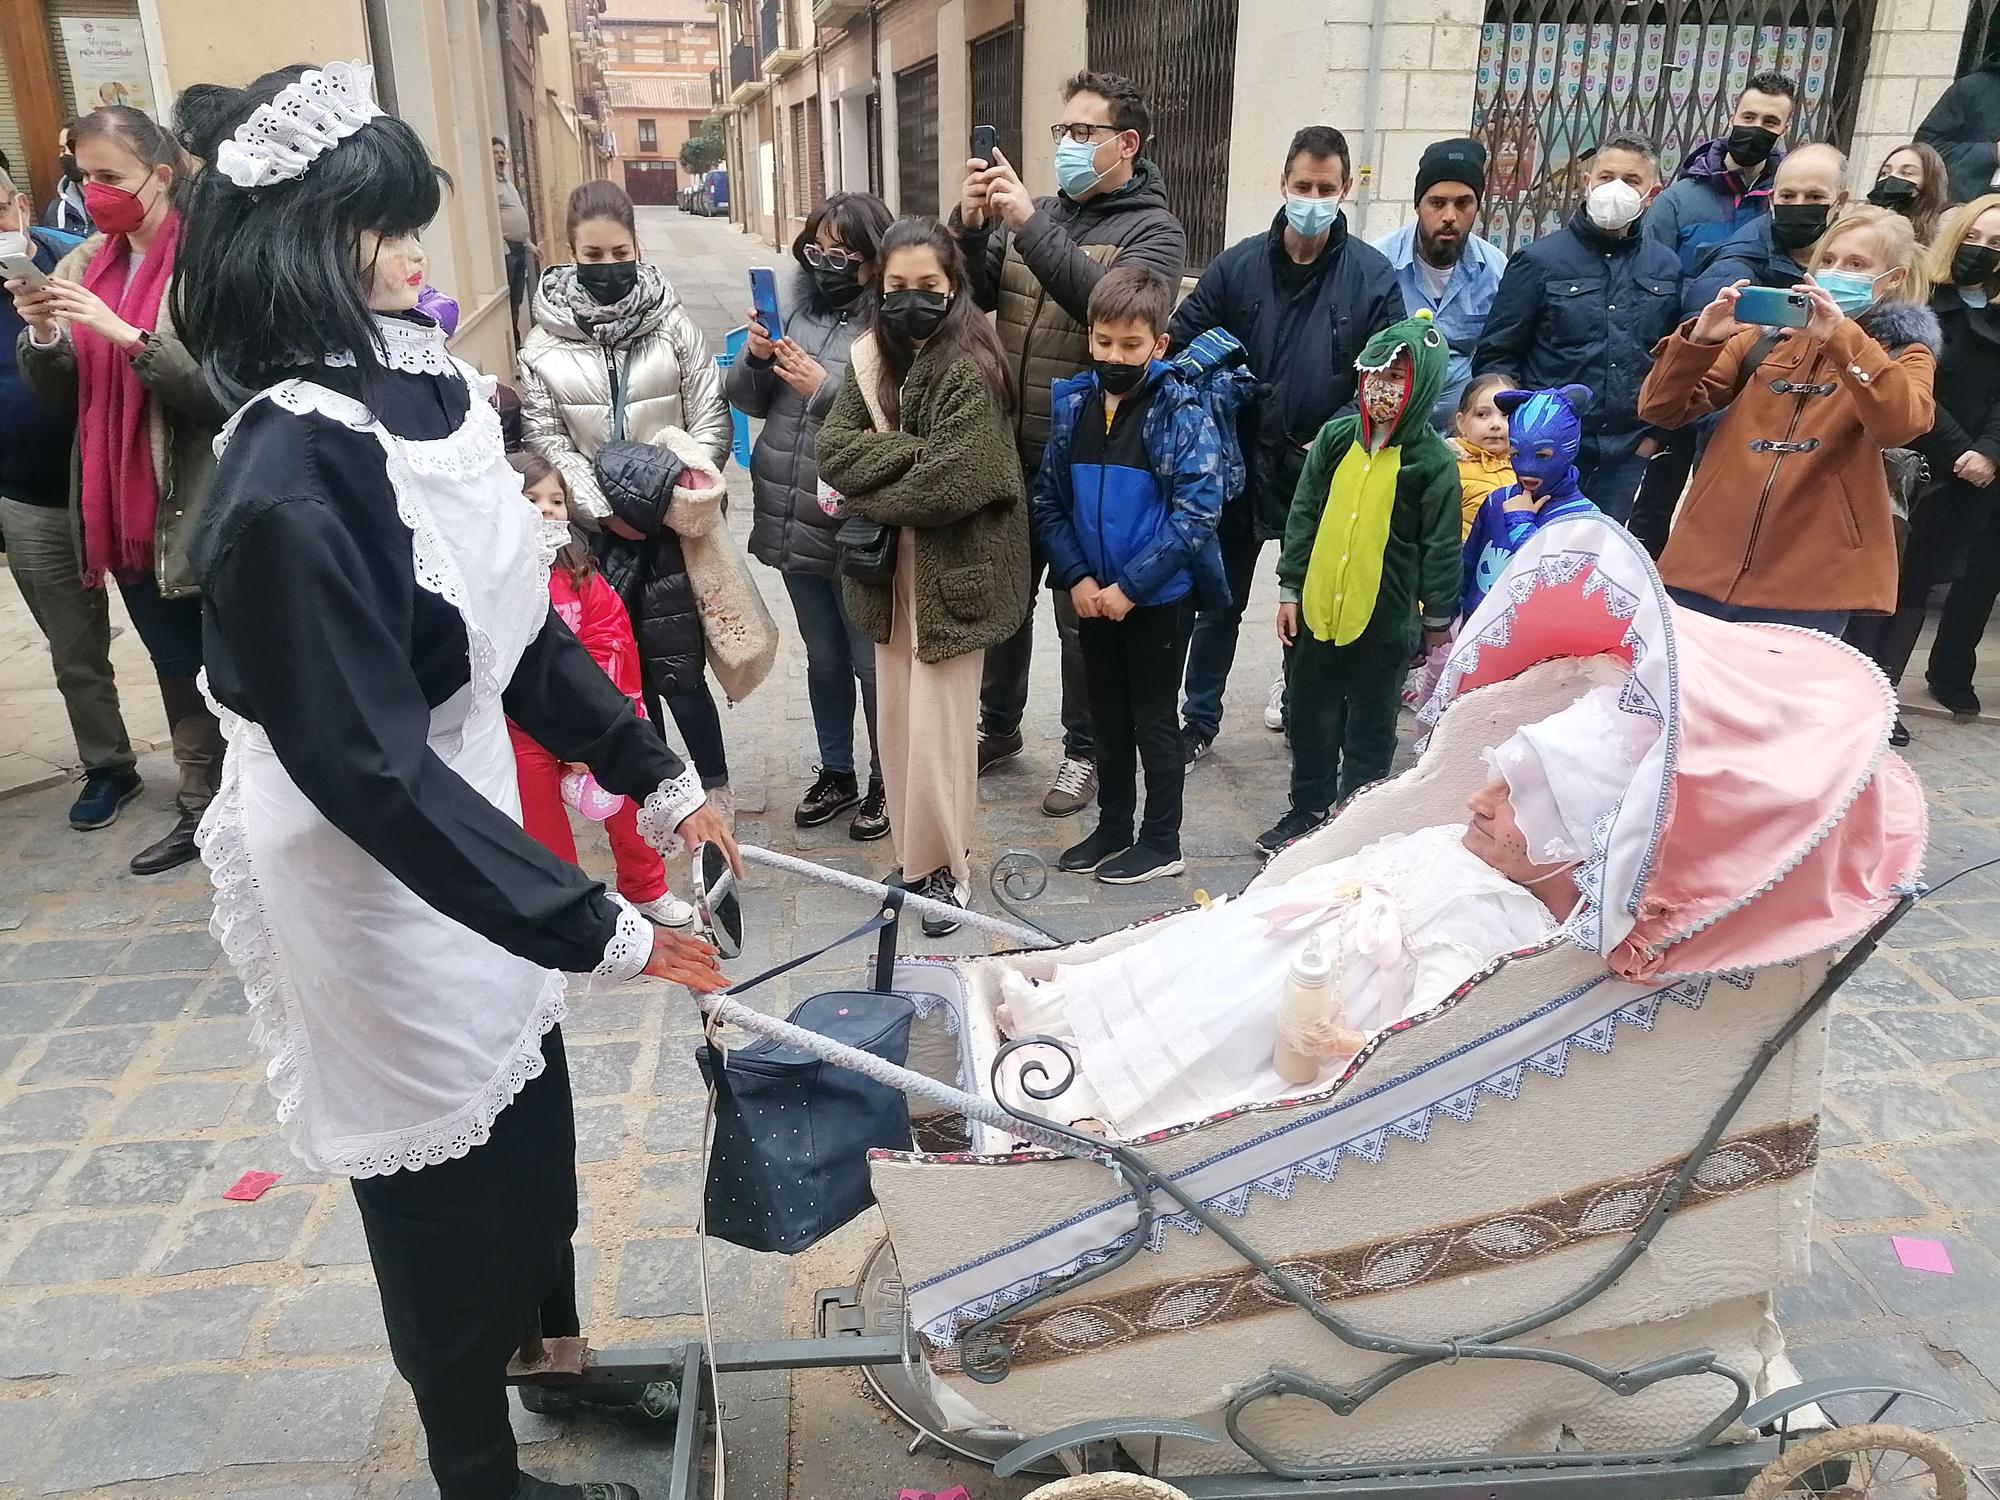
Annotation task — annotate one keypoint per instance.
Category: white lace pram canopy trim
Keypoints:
(307, 119)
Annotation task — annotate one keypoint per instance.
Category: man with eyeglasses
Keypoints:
(1034, 264)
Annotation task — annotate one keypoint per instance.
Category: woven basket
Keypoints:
(1107, 1487)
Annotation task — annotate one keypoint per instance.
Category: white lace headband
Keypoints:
(307, 119)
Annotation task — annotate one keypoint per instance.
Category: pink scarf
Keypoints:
(120, 495)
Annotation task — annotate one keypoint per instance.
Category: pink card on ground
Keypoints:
(956, 1492)
(251, 1186)
(1922, 1255)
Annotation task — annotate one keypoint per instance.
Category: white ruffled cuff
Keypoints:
(630, 947)
(668, 807)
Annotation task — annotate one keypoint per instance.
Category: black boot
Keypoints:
(171, 852)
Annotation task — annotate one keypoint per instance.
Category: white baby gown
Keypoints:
(1181, 1024)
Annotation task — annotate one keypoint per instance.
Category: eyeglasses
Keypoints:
(836, 259)
(1080, 133)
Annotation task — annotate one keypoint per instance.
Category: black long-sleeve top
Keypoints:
(315, 629)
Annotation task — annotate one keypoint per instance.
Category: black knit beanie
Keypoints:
(1462, 160)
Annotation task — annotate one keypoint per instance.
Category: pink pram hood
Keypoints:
(1768, 821)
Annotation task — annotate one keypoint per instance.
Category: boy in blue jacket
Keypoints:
(1125, 506)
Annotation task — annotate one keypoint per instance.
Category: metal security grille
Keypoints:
(996, 86)
(916, 140)
(873, 117)
(1183, 57)
(815, 172)
(802, 199)
(1558, 76)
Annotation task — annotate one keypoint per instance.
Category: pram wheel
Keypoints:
(1875, 1461)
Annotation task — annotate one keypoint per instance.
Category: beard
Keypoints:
(1441, 254)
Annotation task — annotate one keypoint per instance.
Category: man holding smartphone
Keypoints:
(35, 441)
(1034, 263)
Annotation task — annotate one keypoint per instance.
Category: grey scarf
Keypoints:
(616, 323)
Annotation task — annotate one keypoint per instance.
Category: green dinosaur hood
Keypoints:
(1430, 364)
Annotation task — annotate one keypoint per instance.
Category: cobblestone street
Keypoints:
(156, 1340)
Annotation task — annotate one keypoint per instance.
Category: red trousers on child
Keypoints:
(642, 876)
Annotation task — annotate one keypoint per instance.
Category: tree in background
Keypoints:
(704, 149)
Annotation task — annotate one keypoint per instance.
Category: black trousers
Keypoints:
(472, 1257)
(1003, 681)
(1949, 540)
(1133, 668)
(1341, 703)
(517, 280)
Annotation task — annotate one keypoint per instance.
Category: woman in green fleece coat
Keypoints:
(920, 441)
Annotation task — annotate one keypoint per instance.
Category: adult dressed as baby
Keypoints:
(1183, 1025)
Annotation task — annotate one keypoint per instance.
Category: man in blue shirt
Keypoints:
(1443, 267)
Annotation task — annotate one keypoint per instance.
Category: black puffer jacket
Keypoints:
(650, 576)
(1964, 125)
(790, 530)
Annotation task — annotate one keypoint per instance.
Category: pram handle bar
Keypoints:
(922, 905)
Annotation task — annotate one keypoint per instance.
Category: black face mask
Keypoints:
(1974, 265)
(839, 286)
(915, 314)
(70, 170)
(1898, 193)
(1750, 145)
(608, 281)
(1796, 225)
(1119, 380)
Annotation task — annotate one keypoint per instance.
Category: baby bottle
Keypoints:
(1305, 1014)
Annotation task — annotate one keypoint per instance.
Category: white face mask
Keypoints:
(1613, 205)
(15, 245)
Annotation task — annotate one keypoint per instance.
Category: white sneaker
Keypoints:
(1274, 706)
(666, 912)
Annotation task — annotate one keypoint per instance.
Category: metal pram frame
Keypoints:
(1700, 1465)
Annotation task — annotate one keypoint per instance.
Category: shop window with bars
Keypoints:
(802, 199)
(1183, 57)
(917, 142)
(1558, 76)
(996, 86)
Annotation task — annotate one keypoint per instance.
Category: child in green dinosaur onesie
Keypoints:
(1371, 550)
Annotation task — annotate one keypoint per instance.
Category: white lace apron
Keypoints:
(395, 1035)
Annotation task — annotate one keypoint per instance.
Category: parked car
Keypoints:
(710, 194)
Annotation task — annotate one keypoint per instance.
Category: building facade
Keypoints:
(824, 95)
(461, 71)
(659, 55)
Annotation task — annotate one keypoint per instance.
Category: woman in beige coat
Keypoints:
(615, 357)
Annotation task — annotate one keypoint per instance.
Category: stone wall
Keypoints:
(1911, 58)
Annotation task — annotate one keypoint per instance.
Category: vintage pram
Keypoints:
(1527, 1244)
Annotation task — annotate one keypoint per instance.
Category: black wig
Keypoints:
(265, 282)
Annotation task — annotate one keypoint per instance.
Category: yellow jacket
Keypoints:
(1479, 474)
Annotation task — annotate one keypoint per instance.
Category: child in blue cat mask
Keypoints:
(1546, 430)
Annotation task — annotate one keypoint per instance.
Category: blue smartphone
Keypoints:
(1772, 307)
(764, 297)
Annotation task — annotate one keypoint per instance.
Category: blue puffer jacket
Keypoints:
(1140, 514)
(35, 436)
(1707, 204)
(1584, 307)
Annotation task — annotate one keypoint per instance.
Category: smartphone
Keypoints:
(764, 297)
(20, 268)
(1772, 307)
(985, 141)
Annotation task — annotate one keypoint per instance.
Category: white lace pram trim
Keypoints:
(668, 807)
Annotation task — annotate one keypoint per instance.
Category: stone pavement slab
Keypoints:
(156, 1340)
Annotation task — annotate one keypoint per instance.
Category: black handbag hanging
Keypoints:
(788, 1159)
(866, 549)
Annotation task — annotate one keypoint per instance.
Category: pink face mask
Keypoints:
(112, 209)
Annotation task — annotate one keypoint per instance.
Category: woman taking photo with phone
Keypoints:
(614, 357)
(100, 338)
(791, 384)
(920, 445)
(1788, 518)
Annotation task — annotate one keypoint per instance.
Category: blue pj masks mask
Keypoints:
(1546, 430)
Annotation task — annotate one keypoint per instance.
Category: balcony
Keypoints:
(778, 37)
(746, 82)
(838, 12)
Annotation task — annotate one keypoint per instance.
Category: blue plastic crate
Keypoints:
(733, 343)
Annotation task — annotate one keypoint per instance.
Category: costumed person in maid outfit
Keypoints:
(376, 609)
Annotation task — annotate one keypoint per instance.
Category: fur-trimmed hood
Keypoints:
(1897, 325)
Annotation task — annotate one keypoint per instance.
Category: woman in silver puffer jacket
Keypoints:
(614, 356)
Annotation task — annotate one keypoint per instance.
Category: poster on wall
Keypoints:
(107, 62)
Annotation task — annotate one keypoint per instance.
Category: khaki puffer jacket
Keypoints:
(568, 379)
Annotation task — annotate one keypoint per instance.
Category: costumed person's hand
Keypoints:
(798, 369)
(1006, 194)
(85, 309)
(1716, 323)
(1112, 603)
(37, 309)
(1974, 468)
(1084, 597)
(707, 826)
(1434, 640)
(1288, 624)
(759, 345)
(685, 960)
(972, 195)
(1825, 318)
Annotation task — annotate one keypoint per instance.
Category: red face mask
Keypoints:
(112, 209)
